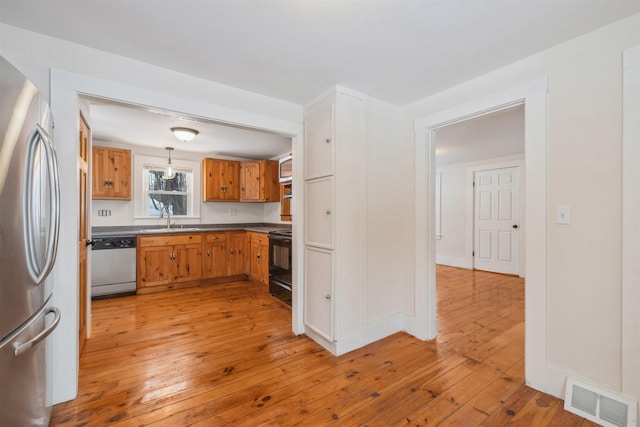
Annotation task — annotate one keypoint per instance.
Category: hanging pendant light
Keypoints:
(169, 172)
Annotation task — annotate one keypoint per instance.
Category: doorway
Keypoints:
(66, 88)
(533, 96)
(479, 164)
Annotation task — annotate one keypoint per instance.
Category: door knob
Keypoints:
(515, 225)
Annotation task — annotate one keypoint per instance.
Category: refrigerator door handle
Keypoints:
(39, 273)
(19, 349)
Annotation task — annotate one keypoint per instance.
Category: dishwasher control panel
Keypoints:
(120, 242)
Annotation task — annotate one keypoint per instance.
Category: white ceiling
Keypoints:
(151, 128)
(396, 50)
(493, 135)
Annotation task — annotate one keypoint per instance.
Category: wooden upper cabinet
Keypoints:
(259, 181)
(111, 173)
(220, 180)
(285, 201)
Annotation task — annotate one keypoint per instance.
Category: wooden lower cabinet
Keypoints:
(214, 255)
(187, 260)
(259, 257)
(171, 260)
(236, 252)
(168, 260)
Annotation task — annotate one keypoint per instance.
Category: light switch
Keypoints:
(563, 215)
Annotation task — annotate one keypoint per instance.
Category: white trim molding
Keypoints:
(533, 94)
(630, 370)
(65, 88)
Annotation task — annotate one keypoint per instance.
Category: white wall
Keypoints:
(389, 278)
(456, 212)
(584, 172)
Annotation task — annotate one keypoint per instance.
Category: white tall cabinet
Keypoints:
(335, 219)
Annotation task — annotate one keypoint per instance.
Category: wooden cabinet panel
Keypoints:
(259, 181)
(111, 173)
(271, 179)
(285, 201)
(236, 253)
(250, 181)
(154, 266)
(259, 258)
(220, 180)
(214, 256)
(170, 240)
(187, 262)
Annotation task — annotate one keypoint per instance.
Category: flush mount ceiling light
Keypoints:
(169, 172)
(184, 134)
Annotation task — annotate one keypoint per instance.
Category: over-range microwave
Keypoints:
(286, 169)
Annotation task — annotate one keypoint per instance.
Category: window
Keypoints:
(179, 194)
(172, 193)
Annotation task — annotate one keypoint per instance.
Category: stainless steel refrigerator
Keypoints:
(29, 224)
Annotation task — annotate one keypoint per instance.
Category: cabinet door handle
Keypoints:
(208, 253)
(259, 256)
(242, 188)
(232, 252)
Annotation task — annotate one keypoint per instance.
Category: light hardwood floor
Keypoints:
(225, 355)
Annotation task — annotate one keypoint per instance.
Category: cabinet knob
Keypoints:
(208, 253)
(232, 252)
(328, 211)
(328, 140)
(327, 297)
(259, 256)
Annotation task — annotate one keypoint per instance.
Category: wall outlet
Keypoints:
(104, 212)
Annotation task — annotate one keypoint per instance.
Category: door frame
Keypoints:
(538, 372)
(630, 370)
(66, 87)
(470, 197)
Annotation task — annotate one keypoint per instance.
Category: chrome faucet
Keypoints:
(162, 210)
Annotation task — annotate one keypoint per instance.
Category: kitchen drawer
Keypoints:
(177, 239)
(215, 237)
(262, 238)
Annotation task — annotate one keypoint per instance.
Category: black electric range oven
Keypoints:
(280, 266)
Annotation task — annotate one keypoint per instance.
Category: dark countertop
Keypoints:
(128, 230)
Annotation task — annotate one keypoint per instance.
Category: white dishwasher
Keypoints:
(113, 266)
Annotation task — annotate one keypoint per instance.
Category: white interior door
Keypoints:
(497, 220)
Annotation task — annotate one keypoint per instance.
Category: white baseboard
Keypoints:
(453, 262)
